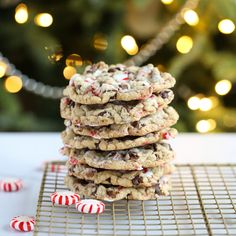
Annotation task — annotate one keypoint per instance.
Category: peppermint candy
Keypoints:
(90, 206)
(65, 198)
(56, 168)
(11, 184)
(166, 135)
(22, 223)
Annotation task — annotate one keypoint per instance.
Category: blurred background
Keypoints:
(46, 42)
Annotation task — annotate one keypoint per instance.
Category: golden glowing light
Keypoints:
(129, 44)
(223, 87)
(3, 68)
(13, 84)
(226, 26)
(69, 71)
(194, 103)
(43, 19)
(21, 13)
(74, 60)
(205, 104)
(184, 44)
(100, 42)
(191, 17)
(204, 126)
(167, 2)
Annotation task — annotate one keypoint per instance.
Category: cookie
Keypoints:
(152, 123)
(79, 142)
(101, 83)
(146, 177)
(148, 156)
(117, 112)
(114, 193)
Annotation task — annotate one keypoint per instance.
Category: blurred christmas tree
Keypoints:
(49, 47)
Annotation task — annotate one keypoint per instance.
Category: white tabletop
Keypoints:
(22, 155)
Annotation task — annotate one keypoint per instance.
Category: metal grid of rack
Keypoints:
(202, 202)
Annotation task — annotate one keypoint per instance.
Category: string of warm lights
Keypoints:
(16, 80)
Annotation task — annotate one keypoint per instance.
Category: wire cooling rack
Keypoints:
(202, 202)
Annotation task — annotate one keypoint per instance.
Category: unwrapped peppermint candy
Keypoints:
(90, 206)
(22, 223)
(65, 198)
(11, 184)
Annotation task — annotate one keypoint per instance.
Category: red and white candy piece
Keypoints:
(90, 206)
(22, 223)
(64, 198)
(166, 135)
(11, 184)
(51, 167)
(56, 168)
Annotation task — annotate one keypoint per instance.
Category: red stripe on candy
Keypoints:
(60, 200)
(9, 187)
(21, 226)
(28, 226)
(54, 197)
(98, 210)
(90, 208)
(5, 187)
(13, 224)
(82, 209)
(66, 200)
(77, 197)
(17, 186)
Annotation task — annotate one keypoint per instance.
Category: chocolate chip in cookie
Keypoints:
(133, 155)
(102, 113)
(83, 182)
(164, 94)
(158, 190)
(137, 180)
(123, 86)
(111, 193)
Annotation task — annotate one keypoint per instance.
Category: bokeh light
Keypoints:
(21, 13)
(205, 104)
(191, 17)
(184, 44)
(223, 87)
(194, 103)
(167, 2)
(226, 26)
(13, 84)
(204, 126)
(3, 68)
(43, 19)
(129, 44)
(100, 42)
(69, 71)
(74, 60)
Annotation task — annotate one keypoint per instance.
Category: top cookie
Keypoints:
(101, 83)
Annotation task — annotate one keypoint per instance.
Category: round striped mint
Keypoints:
(56, 167)
(11, 184)
(90, 206)
(22, 223)
(65, 198)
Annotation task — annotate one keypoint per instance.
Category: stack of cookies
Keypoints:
(117, 120)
